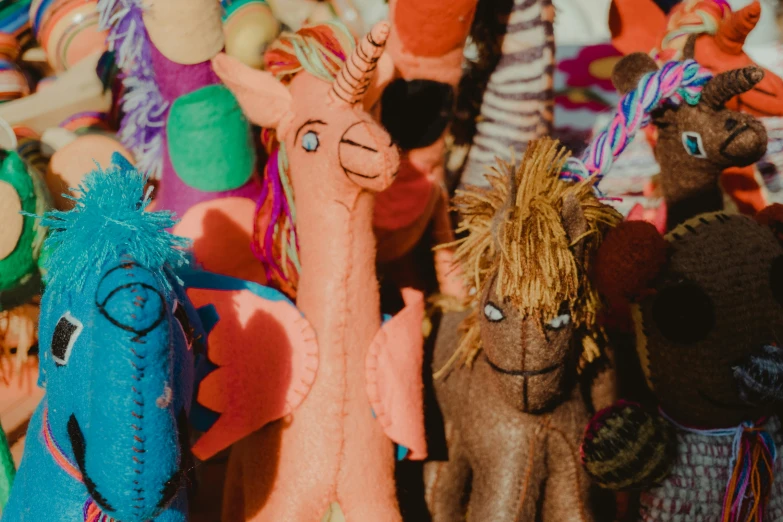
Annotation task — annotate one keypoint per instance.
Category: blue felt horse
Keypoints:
(118, 337)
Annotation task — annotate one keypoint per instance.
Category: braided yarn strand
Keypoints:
(674, 83)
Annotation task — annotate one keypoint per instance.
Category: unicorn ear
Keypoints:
(574, 223)
(630, 69)
(264, 99)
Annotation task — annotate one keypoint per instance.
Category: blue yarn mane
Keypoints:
(109, 221)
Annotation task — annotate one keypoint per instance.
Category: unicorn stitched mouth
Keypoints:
(733, 136)
(79, 446)
(352, 173)
(522, 373)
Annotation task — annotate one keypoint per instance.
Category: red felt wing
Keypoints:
(267, 357)
(394, 384)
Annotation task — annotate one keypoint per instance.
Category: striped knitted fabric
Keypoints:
(694, 490)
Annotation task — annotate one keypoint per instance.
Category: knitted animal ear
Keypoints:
(575, 224)
(630, 257)
(264, 100)
(772, 217)
(630, 69)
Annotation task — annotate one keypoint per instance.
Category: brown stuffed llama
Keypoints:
(696, 143)
(513, 413)
(707, 302)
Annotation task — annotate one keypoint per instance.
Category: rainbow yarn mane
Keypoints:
(674, 83)
(687, 18)
(141, 128)
(319, 50)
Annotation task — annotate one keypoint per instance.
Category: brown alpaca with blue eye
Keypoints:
(508, 375)
(696, 143)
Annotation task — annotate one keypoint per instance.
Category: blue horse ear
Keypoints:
(120, 161)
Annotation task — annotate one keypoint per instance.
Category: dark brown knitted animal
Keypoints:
(696, 143)
(507, 377)
(707, 302)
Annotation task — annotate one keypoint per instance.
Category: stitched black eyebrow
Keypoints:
(305, 124)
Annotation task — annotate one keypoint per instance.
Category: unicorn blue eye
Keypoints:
(310, 141)
(693, 144)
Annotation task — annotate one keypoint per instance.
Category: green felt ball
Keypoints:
(209, 140)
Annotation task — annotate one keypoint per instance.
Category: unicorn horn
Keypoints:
(354, 78)
(732, 33)
(729, 84)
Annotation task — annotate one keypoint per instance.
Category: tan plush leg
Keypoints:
(446, 483)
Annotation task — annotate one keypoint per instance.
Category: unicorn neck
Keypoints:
(688, 189)
(338, 288)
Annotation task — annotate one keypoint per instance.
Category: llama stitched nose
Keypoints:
(746, 143)
(368, 156)
(760, 376)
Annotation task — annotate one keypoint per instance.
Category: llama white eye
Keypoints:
(693, 144)
(559, 322)
(66, 332)
(493, 313)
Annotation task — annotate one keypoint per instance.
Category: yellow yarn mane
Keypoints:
(516, 239)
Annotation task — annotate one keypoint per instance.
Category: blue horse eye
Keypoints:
(310, 141)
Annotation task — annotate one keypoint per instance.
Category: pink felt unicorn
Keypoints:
(359, 390)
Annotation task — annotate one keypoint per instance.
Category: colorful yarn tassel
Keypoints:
(752, 461)
(675, 82)
(274, 240)
(748, 491)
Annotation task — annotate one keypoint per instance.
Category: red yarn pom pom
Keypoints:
(630, 257)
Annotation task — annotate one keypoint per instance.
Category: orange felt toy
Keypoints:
(336, 447)
(718, 48)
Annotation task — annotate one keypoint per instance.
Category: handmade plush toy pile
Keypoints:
(234, 214)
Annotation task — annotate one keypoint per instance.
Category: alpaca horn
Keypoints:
(354, 78)
(729, 84)
(732, 33)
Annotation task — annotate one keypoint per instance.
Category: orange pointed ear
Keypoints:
(636, 25)
(264, 100)
(629, 259)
